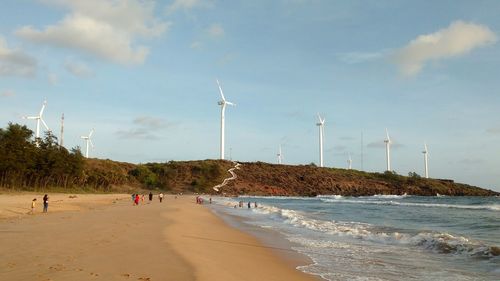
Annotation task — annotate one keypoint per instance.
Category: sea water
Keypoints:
(384, 237)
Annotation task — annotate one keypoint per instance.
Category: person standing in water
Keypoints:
(45, 203)
(249, 205)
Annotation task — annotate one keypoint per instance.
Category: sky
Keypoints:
(143, 75)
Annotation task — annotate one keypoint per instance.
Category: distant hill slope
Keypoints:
(269, 179)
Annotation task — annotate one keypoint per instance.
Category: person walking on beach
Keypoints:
(249, 205)
(136, 201)
(33, 205)
(45, 203)
(160, 196)
(150, 196)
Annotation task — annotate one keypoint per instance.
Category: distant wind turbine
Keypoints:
(388, 150)
(223, 104)
(426, 159)
(87, 141)
(349, 162)
(39, 119)
(280, 156)
(321, 125)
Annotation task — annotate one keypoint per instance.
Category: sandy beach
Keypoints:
(104, 237)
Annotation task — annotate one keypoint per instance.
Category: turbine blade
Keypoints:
(43, 108)
(230, 103)
(220, 90)
(30, 117)
(387, 135)
(91, 132)
(44, 124)
(91, 143)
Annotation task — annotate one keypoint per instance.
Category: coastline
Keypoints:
(80, 239)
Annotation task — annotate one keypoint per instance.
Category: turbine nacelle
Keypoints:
(425, 149)
(321, 121)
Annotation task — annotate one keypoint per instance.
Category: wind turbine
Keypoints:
(426, 159)
(349, 162)
(39, 119)
(87, 141)
(280, 159)
(388, 150)
(223, 104)
(321, 125)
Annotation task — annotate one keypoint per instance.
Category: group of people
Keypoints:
(136, 198)
(45, 204)
(249, 204)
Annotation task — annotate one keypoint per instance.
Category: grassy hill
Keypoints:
(266, 179)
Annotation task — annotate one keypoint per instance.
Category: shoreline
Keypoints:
(270, 238)
(104, 237)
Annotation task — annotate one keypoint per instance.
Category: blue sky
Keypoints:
(142, 73)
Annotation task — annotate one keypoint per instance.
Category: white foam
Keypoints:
(435, 241)
(491, 207)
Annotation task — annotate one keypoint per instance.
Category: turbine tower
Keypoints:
(223, 104)
(349, 162)
(426, 159)
(39, 119)
(87, 141)
(388, 150)
(321, 125)
(280, 159)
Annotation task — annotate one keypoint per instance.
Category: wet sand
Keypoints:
(104, 237)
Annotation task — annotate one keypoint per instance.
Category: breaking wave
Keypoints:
(438, 242)
(491, 207)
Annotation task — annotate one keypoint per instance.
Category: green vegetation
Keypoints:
(36, 164)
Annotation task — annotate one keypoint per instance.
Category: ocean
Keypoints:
(384, 237)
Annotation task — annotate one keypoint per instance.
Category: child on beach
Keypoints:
(33, 205)
(45, 203)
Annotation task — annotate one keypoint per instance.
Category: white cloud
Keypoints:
(196, 45)
(187, 5)
(359, 57)
(494, 131)
(105, 28)
(79, 69)
(151, 122)
(144, 128)
(7, 94)
(457, 39)
(53, 79)
(215, 30)
(15, 62)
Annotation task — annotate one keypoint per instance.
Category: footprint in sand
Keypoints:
(144, 279)
(57, 267)
(126, 275)
(11, 265)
